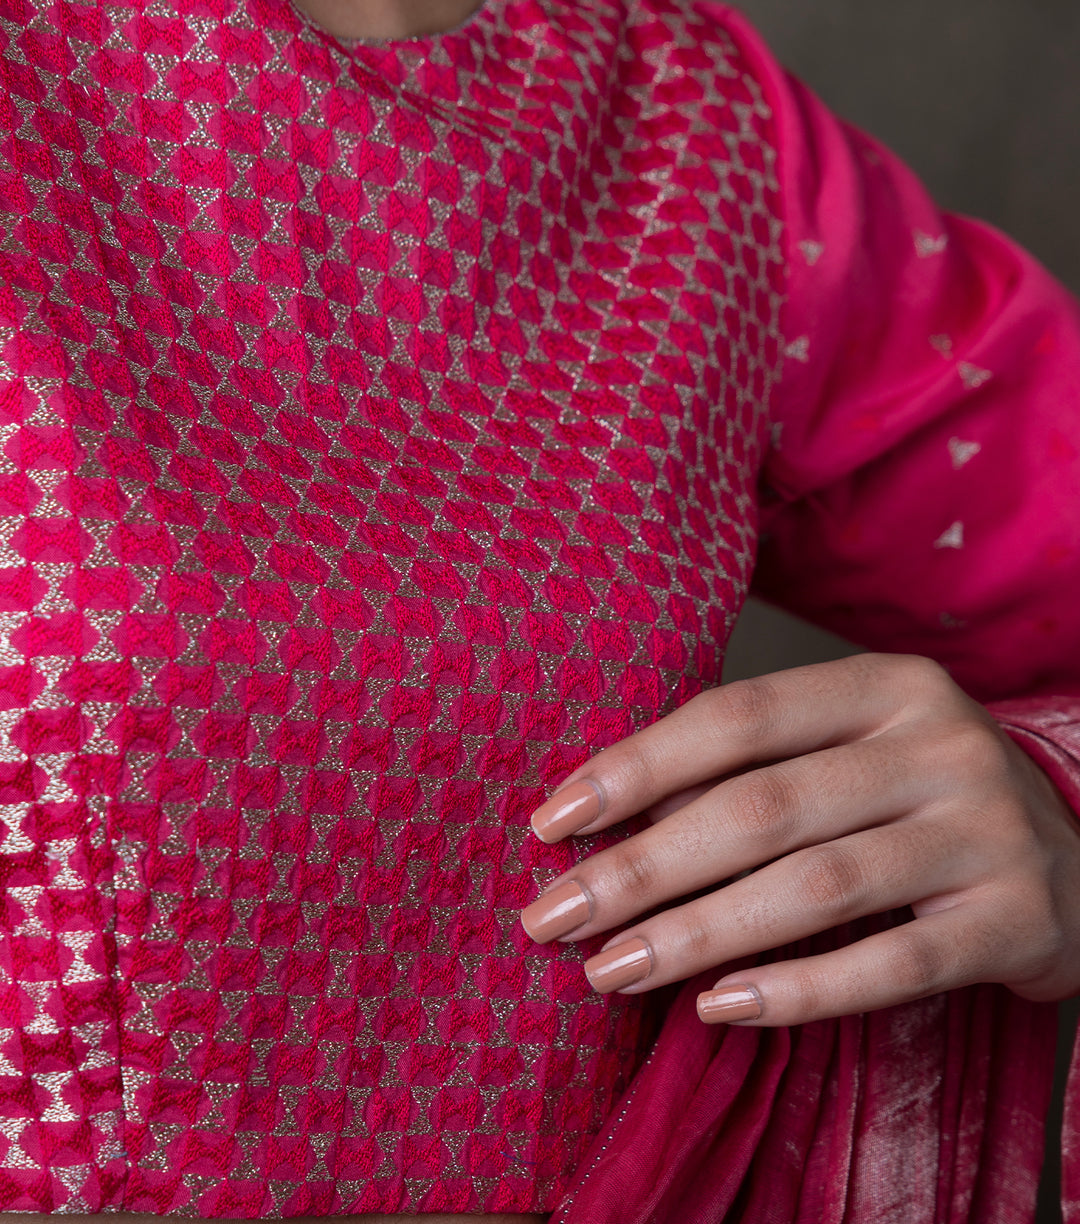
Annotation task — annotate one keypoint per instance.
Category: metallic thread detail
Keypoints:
(379, 437)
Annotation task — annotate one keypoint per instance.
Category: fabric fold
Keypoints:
(1048, 729)
(930, 1112)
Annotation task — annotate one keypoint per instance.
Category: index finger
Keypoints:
(724, 729)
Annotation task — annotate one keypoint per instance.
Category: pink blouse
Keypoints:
(383, 429)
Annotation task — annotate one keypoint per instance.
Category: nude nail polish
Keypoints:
(619, 967)
(568, 810)
(729, 1003)
(556, 913)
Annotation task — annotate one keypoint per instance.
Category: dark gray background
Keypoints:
(982, 97)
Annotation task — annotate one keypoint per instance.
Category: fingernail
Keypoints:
(556, 913)
(619, 967)
(572, 808)
(729, 1003)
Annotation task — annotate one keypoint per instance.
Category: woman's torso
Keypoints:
(380, 432)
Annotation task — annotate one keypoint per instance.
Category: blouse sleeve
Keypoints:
(922, 492)
(923, 489)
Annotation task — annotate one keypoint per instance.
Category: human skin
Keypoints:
(843, 789)
(387, 19)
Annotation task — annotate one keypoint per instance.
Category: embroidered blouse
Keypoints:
(383, 429)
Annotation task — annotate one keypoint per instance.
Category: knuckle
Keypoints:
(921, 672)
(630, 872)
(747, 707)
(1038, 929)
(1044, 960)
(874, 662)
(831, 879)
(972, 750)
(699, 943)
(634, 770)
(912, 674)
(918, 962)
(979, 744)
(764, 805)
(900, 680)
(812, 993)
(886, 665)
(1018, 845)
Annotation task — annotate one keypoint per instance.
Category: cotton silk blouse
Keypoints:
(384, 429)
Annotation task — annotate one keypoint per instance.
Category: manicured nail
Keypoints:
(572, 808)
(556, 913)
(729, 1003)
(619, 967)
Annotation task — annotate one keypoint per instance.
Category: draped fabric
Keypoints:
(383, 429)
(906, 1114)
(1049, 729)
(921, 496)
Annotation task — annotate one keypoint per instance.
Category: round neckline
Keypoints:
(389, 44)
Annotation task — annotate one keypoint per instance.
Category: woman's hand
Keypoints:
(845, 789)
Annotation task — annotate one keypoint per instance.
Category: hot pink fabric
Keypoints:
(382, 432)
(378, 432)
(1049, 729)
(921, 496)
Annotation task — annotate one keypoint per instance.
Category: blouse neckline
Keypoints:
(411, 41)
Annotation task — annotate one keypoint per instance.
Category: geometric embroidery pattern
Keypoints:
(379, 430)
